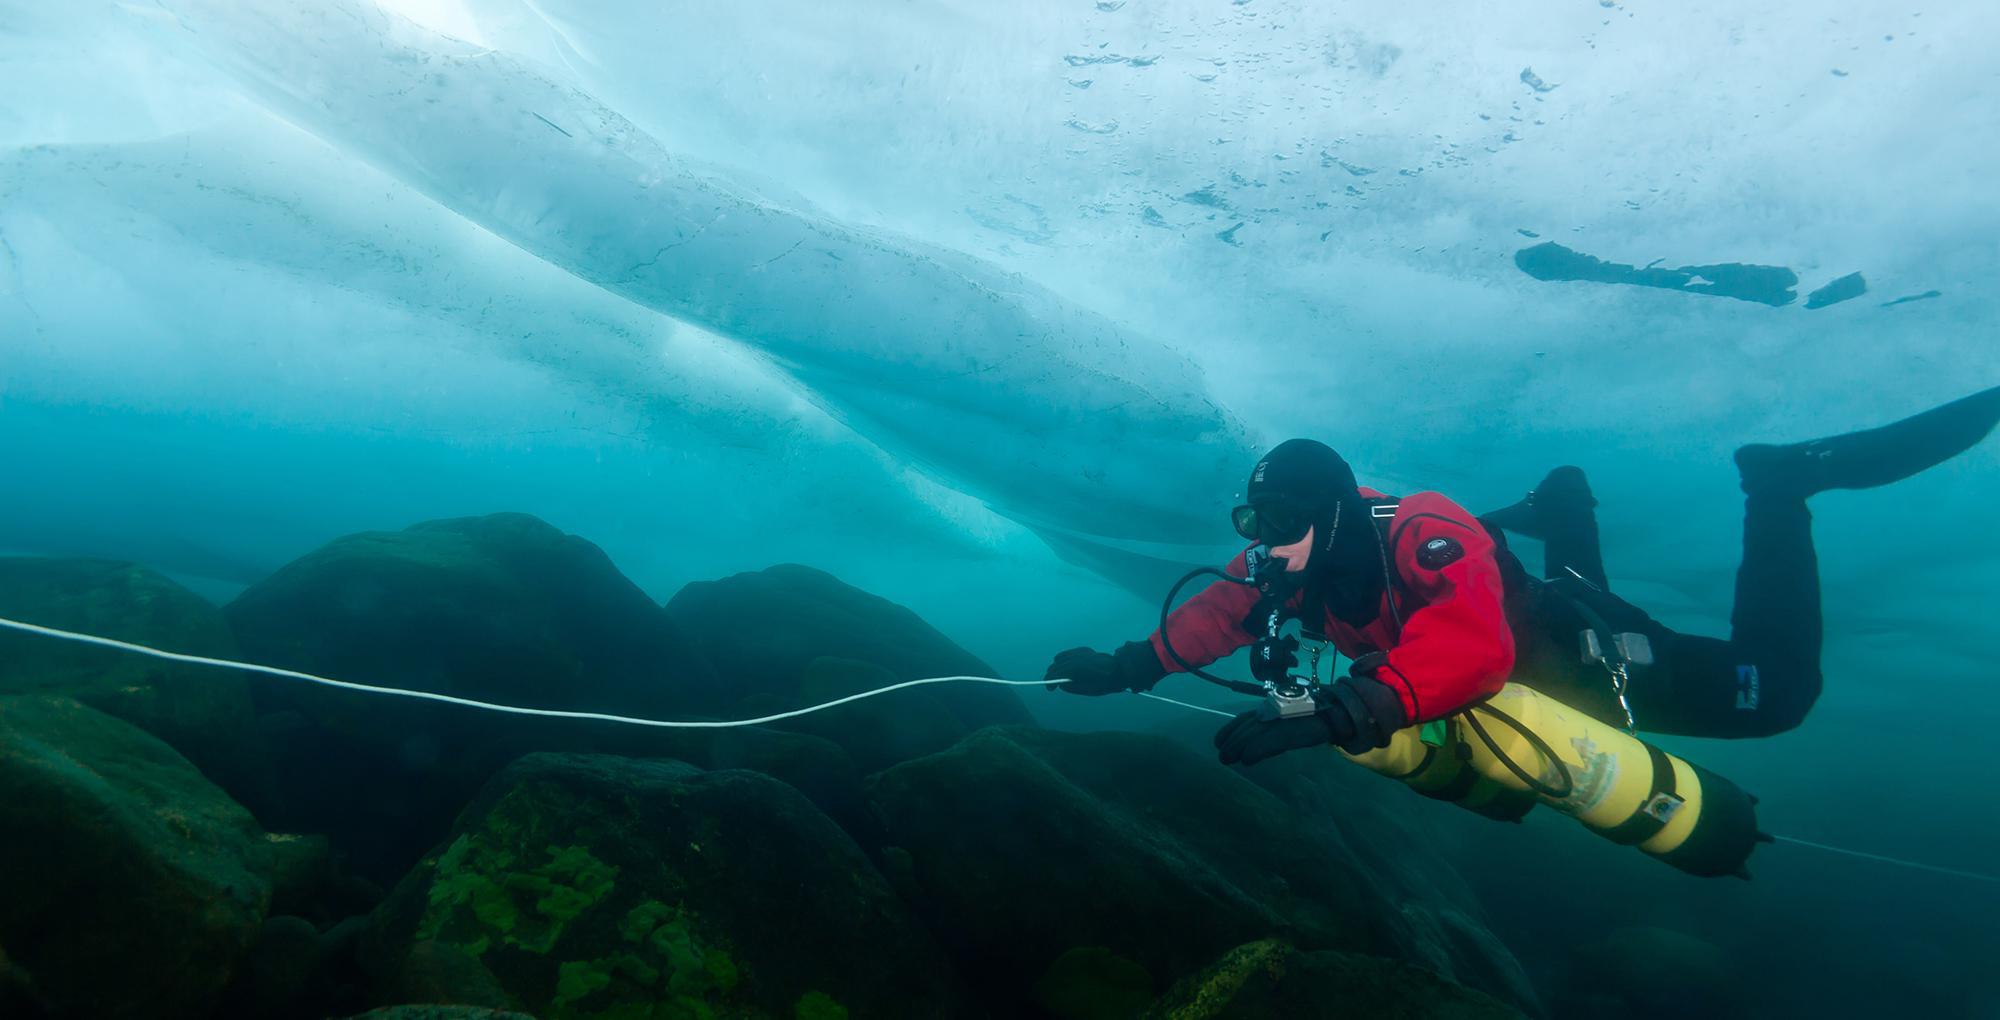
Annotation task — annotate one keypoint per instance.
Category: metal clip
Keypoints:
(1621, 678)
(1627, 650)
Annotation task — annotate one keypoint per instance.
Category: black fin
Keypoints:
(1563, 494)
(1866, 459)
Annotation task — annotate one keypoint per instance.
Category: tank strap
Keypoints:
(1655, 811)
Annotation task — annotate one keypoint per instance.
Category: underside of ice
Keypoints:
(794, 276)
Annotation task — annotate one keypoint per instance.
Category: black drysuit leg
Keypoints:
(1765, 678)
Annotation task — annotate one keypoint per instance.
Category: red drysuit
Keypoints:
(1455, 646)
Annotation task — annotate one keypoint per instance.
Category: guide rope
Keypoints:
(551, 713)
(554, 713)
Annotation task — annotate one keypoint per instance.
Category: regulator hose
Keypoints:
(1541, 748)
(1167, 607)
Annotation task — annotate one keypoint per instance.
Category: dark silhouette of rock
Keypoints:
(1438, 921)
(430, 971)
(501, 609)
(1094, 983)
(877, 732)
(1765, 285)
(310, 881)
(582, 884)
(130, 886)
(203, 713)
(280, 968)
(1624, 966)
(1023, 845)
(1846, 288)
(1272, 979)
(797, 616)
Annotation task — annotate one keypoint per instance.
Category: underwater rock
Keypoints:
(1272, 979)
(1094, 983)
(1630, 965)
(280, 969)
(1026, 844)
(589, 884)
(814, 766)
(309, 880)
(205, 714)
(17, 994)
(501, 608)
(432, 972)
(800, 615)
(877, 732)
(1437, 923)
(130, 886)
(1765, 285)
(1846, 288)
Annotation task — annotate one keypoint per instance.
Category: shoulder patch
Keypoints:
(1438, 553)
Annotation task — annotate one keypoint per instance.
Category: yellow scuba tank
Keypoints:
(1520, 747)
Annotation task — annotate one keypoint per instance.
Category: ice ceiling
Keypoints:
(872, 283)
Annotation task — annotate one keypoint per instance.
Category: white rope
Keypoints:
(1977, 876)
(1183, 704)
(551, 713)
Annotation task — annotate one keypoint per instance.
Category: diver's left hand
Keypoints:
(1358, 714)
(1256, 735)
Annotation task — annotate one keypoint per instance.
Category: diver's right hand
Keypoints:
(1133, 667)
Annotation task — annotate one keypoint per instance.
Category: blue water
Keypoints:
(918, 293)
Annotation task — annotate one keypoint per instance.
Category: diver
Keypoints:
(1437, 614)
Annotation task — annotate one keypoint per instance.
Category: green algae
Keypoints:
(575, 980)
(1210, 994)
(670, 973)
(528, 908)
(818, 1006)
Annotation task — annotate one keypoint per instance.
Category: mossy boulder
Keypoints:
(1437, 921)
(800, 616)
(130, 885)
(204, 713)
(595, 886)
(1022, 845)
(876, 732)
(501, 609)
(1272, 979)
(814, 766)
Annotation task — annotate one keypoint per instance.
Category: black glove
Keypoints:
(1375, 707)
(1133, 667)
(1357, 713)
(1374, 712)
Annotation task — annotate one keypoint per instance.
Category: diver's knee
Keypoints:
(1785, 701)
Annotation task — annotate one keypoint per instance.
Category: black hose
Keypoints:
(1167, 642)
(1541, 748)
